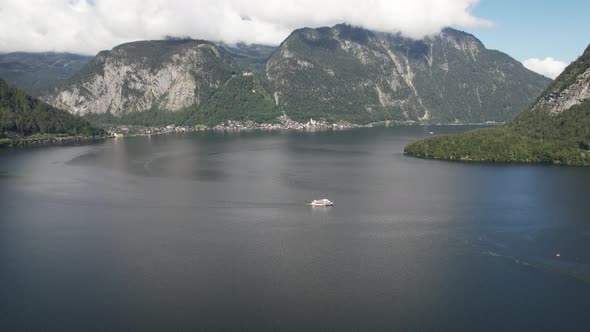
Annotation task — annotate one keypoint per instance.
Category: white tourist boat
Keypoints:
(321, 202)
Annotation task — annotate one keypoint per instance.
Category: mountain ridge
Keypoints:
(339, 73)
(390, 77)
(168, 75)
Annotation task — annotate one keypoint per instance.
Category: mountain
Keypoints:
(23, 115)
(338, 73)
(34, 72)
(569, 89)
(242, 98)
(166, 75)
(362, 76)
(555, 129)
(250, 57)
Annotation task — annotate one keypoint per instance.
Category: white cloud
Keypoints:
(87, 26)
(548, 67)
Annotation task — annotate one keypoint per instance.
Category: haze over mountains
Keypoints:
(35, 72)
(340, 73)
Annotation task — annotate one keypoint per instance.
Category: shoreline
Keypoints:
(39, 141)
(229, 126)
(137, 130)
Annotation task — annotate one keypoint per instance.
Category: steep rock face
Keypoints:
(571, 88)
(139, 76)
(358, 75)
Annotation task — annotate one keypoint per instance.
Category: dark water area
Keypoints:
(210, 231)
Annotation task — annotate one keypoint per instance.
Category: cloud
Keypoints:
(87, 26)
(548, 67)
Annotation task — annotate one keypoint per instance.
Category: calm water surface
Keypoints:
(210, 231)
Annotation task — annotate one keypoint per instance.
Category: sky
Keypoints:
(544, 35)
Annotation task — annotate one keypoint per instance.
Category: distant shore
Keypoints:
(114, 131)
(285, 124)
(47, 140)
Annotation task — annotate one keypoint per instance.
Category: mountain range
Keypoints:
(35, 72)
(555, 129)
(339, 73)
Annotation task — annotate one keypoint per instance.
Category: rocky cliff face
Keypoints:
(368, 76)
(338, 73)
(135, 77)
(571, 88)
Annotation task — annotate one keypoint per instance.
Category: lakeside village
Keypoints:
(284, 123)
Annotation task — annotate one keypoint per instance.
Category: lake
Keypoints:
(210, 231)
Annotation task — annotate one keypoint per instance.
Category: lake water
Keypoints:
(210, 231)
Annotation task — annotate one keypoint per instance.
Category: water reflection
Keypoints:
(211, 231)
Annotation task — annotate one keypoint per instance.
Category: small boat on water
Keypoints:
(321, 202)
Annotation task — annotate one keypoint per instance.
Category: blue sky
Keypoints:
(535, 29)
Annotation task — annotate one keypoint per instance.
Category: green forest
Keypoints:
(241, 98)
(532, 137)
(24, 115)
